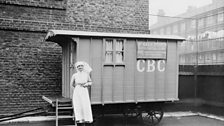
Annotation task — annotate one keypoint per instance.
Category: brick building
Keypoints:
(31, 67)
(202, 55)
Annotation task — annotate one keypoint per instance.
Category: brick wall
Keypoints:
(38, 17)
(118, 14)
(33, 16)
(58, 4)
(31, 67)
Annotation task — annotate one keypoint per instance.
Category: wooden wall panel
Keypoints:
(96, 75)
(72, 61)
(140, 83)
(159, 83)
(63, 70)
(150, 83)
(118, 84)
(130, 68)
(68, 74)
(66, 71)
(172, 72)
(107, 85)
(84, 49)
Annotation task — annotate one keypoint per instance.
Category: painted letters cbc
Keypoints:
(151, 65)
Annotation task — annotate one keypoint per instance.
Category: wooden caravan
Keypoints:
(127, 68)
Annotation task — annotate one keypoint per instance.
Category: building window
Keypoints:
(114, 51)
(201, 59)
(154, 32)
(182, 27)
(220, 57)
(119, 51)
(175, 29)
(168, 30)
(109, 51)
(201, 23)
(162, 31)
(210, 20)
(220, 17)
(193, 24)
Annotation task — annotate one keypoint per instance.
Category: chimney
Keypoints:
(191, 8)
(217, 2)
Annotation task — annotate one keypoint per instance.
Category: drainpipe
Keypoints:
(196, 66)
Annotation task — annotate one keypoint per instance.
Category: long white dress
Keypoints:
(81, 100)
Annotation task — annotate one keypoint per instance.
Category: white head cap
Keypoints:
(86, 67)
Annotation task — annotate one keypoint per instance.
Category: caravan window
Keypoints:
(114, 50)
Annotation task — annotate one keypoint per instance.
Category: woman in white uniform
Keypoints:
(80, 81)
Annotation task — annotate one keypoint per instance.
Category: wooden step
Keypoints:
(69, 125)
(64, 117)
(65, 107)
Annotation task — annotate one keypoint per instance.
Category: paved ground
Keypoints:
(206, 109)
(190, 121)
(119, 121)
(175, 115)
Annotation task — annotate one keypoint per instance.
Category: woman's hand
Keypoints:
(81, 84)
(86, 85)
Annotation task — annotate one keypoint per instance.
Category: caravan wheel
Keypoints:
(152, 117)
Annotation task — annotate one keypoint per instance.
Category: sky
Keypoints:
(173, 7)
